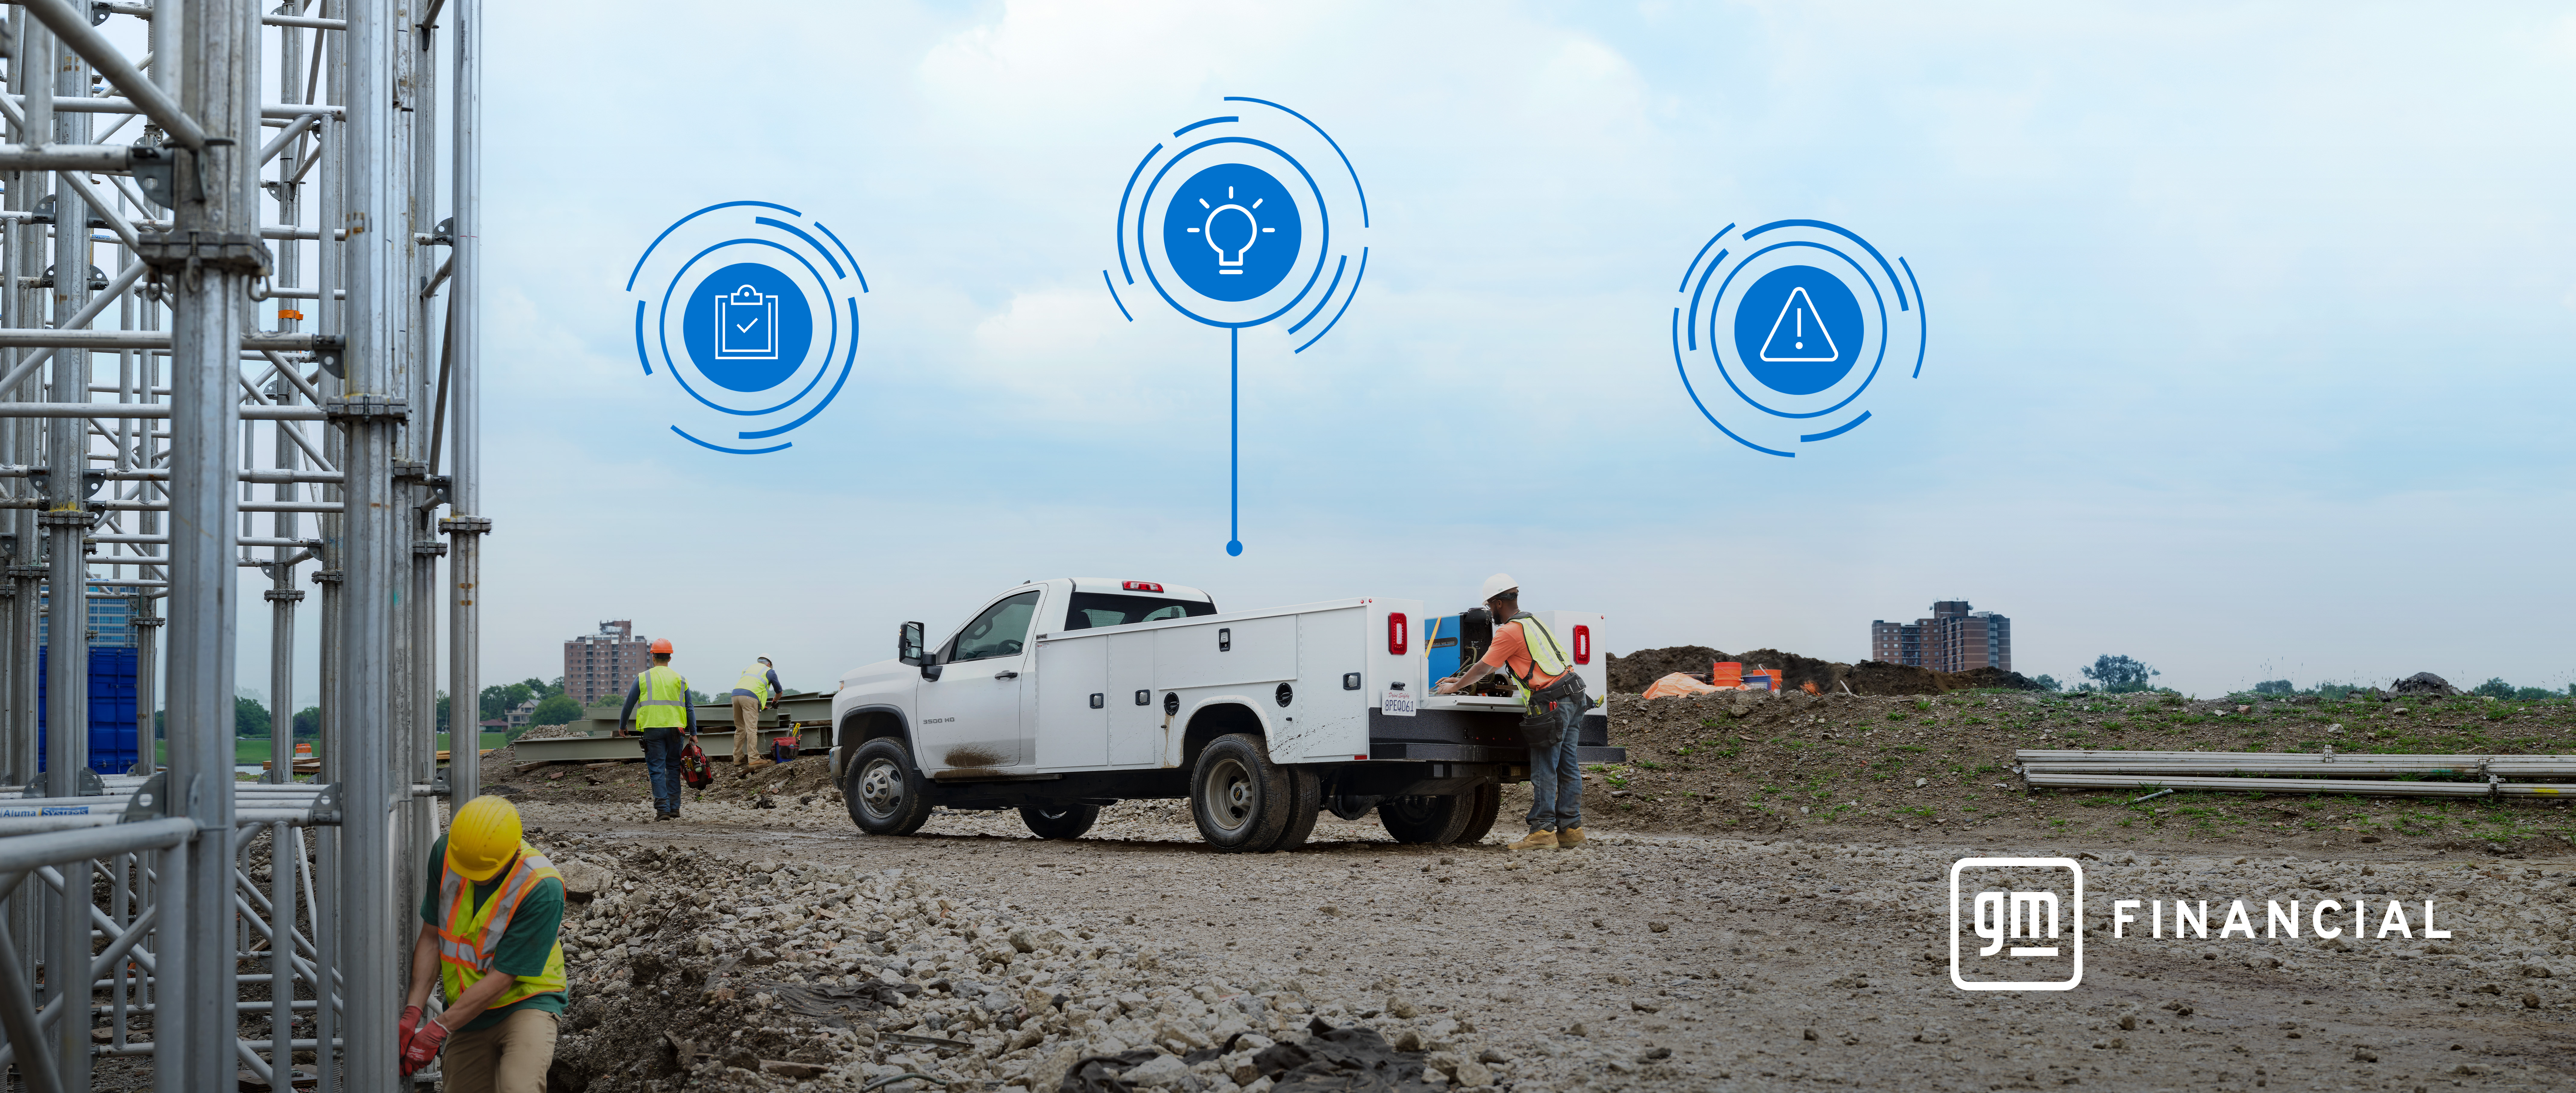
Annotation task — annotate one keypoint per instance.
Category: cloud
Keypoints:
(2199, 279)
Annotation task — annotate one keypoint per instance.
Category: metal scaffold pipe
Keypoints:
(374, 557)
(145, 400)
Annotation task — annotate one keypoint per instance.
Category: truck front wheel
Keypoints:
(1240, 799)
(1059, 821)
(885, 791)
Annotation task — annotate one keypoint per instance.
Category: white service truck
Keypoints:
(1058, 697)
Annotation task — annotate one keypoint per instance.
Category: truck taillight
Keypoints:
(1141, 586)
(1583, 645)
(1399, 637)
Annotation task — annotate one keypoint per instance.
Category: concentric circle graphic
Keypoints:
(1249, 220)
(751, 308)
(1787, 333)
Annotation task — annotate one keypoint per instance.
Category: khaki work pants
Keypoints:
(510, 1057)
(746, 729)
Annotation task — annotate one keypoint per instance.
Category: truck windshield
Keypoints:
(1092, 609)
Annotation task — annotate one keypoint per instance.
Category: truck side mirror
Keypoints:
(907, 645)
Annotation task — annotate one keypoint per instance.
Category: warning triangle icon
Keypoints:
(1798, 334)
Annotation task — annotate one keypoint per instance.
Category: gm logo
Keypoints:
(2027, 916)
(751, 310)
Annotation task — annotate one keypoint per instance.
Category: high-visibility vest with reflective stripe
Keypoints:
(664, 702)
(755, 679)
(1547, 658)
(469, 938)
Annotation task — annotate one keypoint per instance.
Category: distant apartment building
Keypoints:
(1954, 639)
(601, 665)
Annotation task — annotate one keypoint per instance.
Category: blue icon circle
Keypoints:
(1231, 232)
(1799, 330)
(747, 327)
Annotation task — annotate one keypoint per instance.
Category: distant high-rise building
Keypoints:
(1954, 639)
(600, 666)
(109, 620)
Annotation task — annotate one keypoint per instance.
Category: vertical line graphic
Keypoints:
(1234, 440)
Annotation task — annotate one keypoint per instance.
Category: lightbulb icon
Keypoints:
(1241, 231)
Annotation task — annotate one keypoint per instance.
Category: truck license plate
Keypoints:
(1397, 704)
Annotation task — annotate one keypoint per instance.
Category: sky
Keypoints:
(2249, 326)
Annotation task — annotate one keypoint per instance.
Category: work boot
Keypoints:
(1541, 839)
(1570, 838)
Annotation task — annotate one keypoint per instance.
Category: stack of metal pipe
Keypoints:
(2368, 775)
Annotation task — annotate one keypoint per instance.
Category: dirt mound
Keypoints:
(2424, 683)
(1746, 761)
(1877, 677)
(1633, 673)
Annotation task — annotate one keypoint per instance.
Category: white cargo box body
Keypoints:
(1311, 674)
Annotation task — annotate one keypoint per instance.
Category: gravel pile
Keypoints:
(691, 972)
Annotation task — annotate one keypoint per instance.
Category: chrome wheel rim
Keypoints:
(881, 788)
(1230, 795)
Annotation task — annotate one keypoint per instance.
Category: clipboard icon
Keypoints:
(746, 325)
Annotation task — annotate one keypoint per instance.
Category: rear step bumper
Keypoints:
(1414, 750)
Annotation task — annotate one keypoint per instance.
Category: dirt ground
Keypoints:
(1765, 903)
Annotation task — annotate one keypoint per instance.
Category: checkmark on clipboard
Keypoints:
(746, 325)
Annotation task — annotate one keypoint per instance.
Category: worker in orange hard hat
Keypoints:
(657, 706)
(490, 935)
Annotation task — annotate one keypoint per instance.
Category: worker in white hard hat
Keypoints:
(1543, 678)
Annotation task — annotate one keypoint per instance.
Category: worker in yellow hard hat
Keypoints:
(757, 690)
(491, 917)
(657, 707)
(1553, 701)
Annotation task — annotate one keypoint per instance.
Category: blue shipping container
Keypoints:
(113, 740)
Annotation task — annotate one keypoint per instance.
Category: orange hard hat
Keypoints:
(662, 646)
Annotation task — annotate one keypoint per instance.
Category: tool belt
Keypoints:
(1544, 725)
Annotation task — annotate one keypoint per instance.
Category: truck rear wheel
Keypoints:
(1059, 821)
(1305, 800)
(1240, 799)
(885, 791)
(1483, 806)
(1438, 819)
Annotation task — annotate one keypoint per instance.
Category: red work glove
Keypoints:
(423, 1046)
(402, 1032)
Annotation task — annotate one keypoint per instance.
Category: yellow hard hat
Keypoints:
(483, 838)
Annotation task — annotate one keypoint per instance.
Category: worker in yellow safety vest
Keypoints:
(657, 707)
(1543, 678)
(757, 690)
(491, 919)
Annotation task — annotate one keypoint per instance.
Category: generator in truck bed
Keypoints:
(1058, 697)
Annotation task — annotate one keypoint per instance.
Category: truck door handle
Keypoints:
(1006, 674)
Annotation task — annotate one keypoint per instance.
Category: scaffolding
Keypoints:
(238, 278)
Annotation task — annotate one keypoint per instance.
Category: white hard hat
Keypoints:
(1498, 584)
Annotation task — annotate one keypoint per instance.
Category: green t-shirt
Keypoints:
(524, 946)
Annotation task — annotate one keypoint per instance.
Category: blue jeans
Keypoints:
(1556, 778)
(662, 767)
